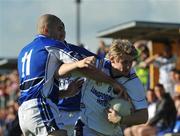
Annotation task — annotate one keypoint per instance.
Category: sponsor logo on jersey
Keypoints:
(102, 98)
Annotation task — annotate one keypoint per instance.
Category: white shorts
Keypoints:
(68, 120)
(38, 117)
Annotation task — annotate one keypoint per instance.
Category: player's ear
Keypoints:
(112, 58)
(46, 32)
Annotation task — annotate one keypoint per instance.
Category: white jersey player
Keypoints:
(96, 97)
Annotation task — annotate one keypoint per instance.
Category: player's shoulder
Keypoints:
(131, 79)
(41, 41)
(134, 86)
(46, 42)
(132, 74)
(81, 50)
(25, 49)
(103, 63)
(55, 44)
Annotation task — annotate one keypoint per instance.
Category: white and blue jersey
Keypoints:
(96, 98)
(39, 89)
(73, 103)
(37, 63)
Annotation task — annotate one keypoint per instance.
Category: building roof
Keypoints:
(137, 30)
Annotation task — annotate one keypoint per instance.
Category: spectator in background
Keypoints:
(102, 50)
(172, 76)
(10, 116)
(3, 95)
(152, 101)
(164, 119)
(2, 121)
(165, 107)
(12, 121)
(142, 70)
(177, 124)
(165, 62)
(9, 90)
(177, 83)
(1, 131)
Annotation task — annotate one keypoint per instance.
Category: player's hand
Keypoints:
(88, 62)
(75, 86)
(113, 117)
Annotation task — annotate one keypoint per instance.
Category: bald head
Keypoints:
(51, 26)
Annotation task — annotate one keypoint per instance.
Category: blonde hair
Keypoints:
(120, 48)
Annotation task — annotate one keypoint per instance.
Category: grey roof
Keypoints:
(137, 30)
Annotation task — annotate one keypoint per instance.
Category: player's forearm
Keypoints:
(67, 68)
(138, 117)
(87, 62)
(70, 67)
(99, 76)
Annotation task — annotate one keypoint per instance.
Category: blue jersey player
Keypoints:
(38, 63)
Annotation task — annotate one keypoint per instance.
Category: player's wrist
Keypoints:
(77, 64)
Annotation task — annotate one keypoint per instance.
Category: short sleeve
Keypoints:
(136, 91)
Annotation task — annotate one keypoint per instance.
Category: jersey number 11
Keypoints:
(26, 63)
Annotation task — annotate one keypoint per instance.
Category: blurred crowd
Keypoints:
(161, 118)
(9, 89)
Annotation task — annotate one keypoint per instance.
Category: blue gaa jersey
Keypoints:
(72, 103)
(37, 63)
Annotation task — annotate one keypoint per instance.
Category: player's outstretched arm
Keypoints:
(86, 67)
(68, 68)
